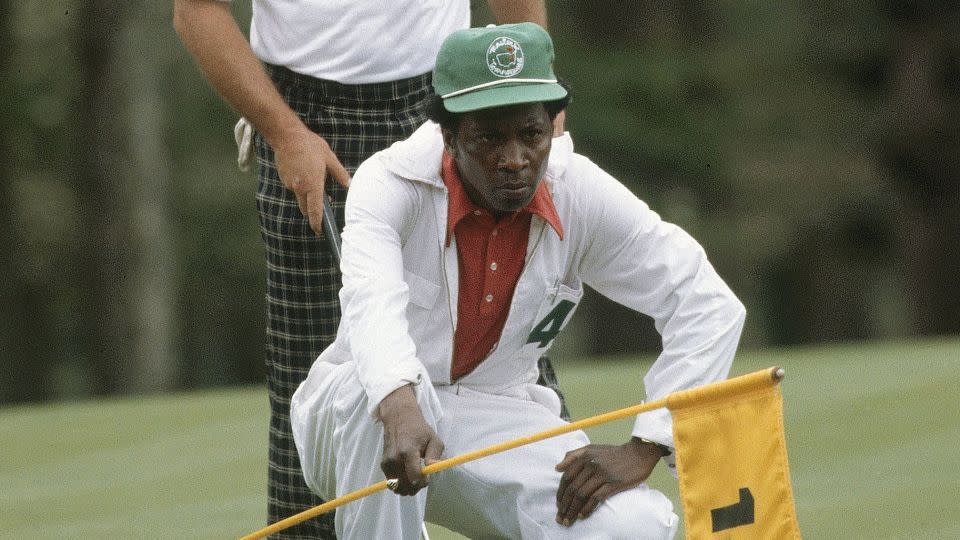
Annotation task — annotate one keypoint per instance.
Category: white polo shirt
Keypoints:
(355, 41)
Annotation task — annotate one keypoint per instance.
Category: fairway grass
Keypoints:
(872, 435)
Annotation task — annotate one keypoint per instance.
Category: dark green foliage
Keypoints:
(813, 148)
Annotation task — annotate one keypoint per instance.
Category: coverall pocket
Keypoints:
(423, 292)
(554, 313)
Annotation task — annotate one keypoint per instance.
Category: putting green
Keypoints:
(872, 432)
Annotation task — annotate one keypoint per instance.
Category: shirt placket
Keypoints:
(492, 254)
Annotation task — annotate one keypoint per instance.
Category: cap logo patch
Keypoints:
(504, 57)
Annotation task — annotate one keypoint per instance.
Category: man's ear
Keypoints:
(449, 141)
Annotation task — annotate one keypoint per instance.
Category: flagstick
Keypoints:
(773, 375)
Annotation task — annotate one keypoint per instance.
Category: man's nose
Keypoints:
(512, 156)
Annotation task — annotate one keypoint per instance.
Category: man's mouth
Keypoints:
(517, 190)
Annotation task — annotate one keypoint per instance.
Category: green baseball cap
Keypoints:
(480, 68)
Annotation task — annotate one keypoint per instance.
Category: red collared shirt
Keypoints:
(491, 255)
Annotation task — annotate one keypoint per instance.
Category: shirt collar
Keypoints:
(460, 205)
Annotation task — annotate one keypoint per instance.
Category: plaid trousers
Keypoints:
(303, 309)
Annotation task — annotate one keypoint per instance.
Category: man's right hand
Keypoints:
(409, 442)
(303, 161)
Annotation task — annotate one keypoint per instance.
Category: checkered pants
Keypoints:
(303, 308)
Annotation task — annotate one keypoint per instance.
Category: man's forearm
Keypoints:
(215, 41)
(511, 11)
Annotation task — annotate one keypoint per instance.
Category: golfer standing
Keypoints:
(465, 252)
(342, 81)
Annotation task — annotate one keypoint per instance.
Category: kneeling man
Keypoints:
(465, 252)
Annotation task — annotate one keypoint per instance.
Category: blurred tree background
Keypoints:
(812, 147)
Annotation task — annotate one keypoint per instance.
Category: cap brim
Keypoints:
(502, 96)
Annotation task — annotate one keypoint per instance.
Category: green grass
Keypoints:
(872, 434)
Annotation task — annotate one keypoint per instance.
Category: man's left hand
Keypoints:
(596, 472)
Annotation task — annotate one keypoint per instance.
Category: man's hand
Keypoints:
(596, 472)
(303, 161)
(409, 442)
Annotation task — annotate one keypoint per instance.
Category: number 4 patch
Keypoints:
(547, 329)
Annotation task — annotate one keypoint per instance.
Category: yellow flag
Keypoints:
(732, 459)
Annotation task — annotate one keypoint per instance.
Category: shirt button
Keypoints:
(494, 233)
(489, 298)
(493, 266)
(476, 212)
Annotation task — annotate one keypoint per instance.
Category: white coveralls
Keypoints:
(400, 288)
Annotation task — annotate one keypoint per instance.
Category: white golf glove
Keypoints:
(243, 135)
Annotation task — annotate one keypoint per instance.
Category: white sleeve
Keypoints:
(635, 258)
(374, 296)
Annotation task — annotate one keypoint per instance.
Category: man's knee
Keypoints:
(639, 513)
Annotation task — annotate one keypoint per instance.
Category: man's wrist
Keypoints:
(286, 131)
(398, 402)
(662, 449)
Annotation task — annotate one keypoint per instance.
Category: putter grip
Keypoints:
(331, 231)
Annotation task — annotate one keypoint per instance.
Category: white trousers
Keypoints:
(507, 495)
